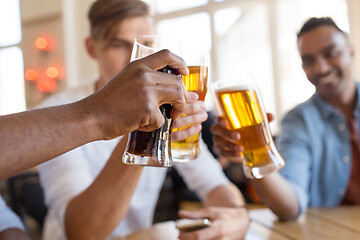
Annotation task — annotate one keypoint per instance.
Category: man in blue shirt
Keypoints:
(319, 140)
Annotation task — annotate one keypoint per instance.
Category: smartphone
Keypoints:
(188, 225)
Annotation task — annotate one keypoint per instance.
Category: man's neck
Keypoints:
(345, 102)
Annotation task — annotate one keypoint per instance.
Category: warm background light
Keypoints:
(52, 72)
(46, 85)
(31, 74)
(42, 43)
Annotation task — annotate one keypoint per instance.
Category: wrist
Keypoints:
(89, 120)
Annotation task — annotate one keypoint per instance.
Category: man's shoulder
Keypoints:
(305, 108)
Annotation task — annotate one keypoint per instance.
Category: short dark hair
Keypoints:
(104, 15)
(314, 22)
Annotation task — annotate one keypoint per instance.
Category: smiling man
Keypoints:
(320, 137)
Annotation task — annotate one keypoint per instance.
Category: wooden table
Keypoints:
(324, 223)
(316, 224)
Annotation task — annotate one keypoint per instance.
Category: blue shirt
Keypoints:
(8, 219)
(315, 144)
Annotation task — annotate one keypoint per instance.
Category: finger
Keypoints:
(194, 107)
(172, 94)
(188, 120)
(165, 81)
(165, 58)
(192, 97)
(229, 135)
(207, 233)
(185, 133)
(202, 213)
(225, 144)
(270, 117)
(232, 156)
(177, 111)
(195, 235)
(153, 119)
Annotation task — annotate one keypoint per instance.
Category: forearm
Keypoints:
(96, 212)
(278, 195)
(13, 233)
(32, 137)
(225, 196)
(234, 215)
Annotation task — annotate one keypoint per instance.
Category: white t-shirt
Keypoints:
(71, 173)
(8, 219)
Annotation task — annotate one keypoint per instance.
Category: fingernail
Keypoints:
(197, 127)
(193, 96)
(204, 116)
(235, 135)
(223, 122)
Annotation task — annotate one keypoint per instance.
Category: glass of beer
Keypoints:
(240, 103)
(198, 65)
(152, 148)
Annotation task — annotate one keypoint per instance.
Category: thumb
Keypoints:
(194, 214)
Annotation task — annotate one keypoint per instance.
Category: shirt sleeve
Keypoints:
(293, 147)
(203, 174)
(8, 219)
(63, 178)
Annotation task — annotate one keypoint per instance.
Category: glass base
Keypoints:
(185, 155)
(259, 172)
(150, 161)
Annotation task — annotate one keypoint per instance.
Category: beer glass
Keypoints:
(198, 64)
(152, 148)
(240, 103)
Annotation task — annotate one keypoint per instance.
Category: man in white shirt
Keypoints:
(88, 189)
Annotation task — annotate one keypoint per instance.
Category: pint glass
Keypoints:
(198, 64)
(240, 103)
(152, 148)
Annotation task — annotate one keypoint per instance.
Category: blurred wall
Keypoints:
(66, 21)
(76, 28)
(354, 22)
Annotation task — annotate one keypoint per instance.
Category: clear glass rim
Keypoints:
(136, 40)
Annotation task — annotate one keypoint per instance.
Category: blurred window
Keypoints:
(259, 35)
(12, 94)
(164, 6)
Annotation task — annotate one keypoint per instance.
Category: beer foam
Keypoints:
(233, 86)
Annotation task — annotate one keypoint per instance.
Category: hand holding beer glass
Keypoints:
(152, 148)
(198, 65)
(240, 103)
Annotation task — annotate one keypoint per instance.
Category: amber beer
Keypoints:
(196, 81)
(155, 143)
(243, 110)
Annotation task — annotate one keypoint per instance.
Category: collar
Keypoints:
(327, 110)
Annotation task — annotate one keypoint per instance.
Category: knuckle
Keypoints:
(146, 76)
(148, 108)
(179, 91)
(166, 53)
(144, 120)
